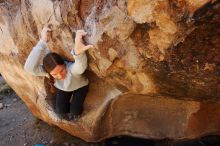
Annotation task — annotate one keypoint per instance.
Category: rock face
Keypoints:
(154, 72)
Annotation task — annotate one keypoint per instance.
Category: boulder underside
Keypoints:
(154, 72)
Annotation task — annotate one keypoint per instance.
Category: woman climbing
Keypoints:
(68, 76)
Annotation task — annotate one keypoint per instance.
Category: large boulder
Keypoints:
(154, 72)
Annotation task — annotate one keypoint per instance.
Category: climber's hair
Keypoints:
(51, 60)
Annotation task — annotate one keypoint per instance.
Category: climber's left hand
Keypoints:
(79, 45)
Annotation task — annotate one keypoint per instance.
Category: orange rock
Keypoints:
(154, 72)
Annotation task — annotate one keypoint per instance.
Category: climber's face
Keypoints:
(59, 72)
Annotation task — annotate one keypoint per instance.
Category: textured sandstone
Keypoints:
(154, 72)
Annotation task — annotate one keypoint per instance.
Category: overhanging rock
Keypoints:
(154, 72)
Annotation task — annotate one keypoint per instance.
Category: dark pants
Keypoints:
(71, 102)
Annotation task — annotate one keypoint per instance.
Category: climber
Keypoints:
(68, 76)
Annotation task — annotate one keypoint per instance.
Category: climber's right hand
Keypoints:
(46, 34)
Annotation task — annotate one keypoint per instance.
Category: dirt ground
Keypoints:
(18, 127)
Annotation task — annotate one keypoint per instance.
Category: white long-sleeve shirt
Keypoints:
(74, 78)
